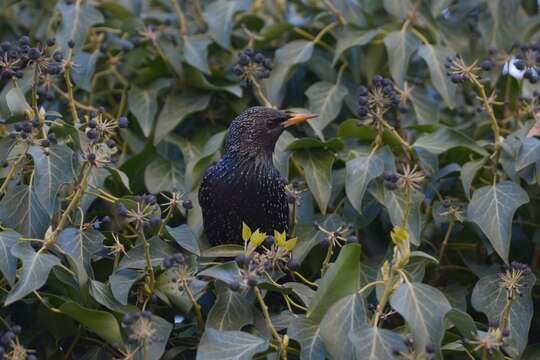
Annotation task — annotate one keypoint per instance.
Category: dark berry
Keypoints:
(430, 349)
(71, 44)
(363, 111)
(34, 54)
(487, 65)
(149, 199)
(519, 64)
(27, 126)
(51, 137)
(155, 220)
(259, 58)
(249, 52)
(111, 143)
(243, 59)
(390, 185)
(51, 42)
(91, 157)
(35, 123)
(58, 56)
(241, 260)
(103, 48)
(45, 143)
(123, 122)
(293, 264)
(269, 241)
(187, 204)
(17, 329)
(352, 239)
(18, 127)
(121, 209)
(92, 123)
(390, 176)
(92, 134)
(24, 40)
(238, 70)
(179, 258)
(252, 280)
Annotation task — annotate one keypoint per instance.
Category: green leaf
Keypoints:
(21, 210)
(228, 250)
(282, 153)
(82, 245)
(8, 262)
(490, 297)
(374, 343)
(83, 71)
(528, 154)
(468, 173)
(185, 238)
(135, 258)
(35, 270)
(492, 208)
(317, 167)
(295, 52)
(102, 293)
(229, 345)
(164, 175)
(360, 171)
(508, 19)
(16, 102)
(445, 139)
(177, 107)
(400, 45)
(228, 272)
(219, 17)
(345, 317)
(196, 52)
(231, 311)
(325, 100)
(340, 280)
(396, 203)
(399, 8)
(309, 237)
(104, 324)
(350, 38)
(435, 57)
(77, 19)
(122, 281)
(53, 171)
(423, 307)
(463, 322)
(308, 334)
(143, 104)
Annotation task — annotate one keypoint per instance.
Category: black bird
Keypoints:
(244, 186)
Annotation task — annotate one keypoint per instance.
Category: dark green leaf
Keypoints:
(229, 345)
(185, 238)
(325, 100)
(164, 175)
(350, 38)
(77, 19)
(308, 334)
(219, 17)
(400, 45)
(196, 52)
(373, 343)
(318, 172)
(231, 311)
(435, 57)
(8, 262)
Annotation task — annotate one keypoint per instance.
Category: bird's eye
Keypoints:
(273, 122)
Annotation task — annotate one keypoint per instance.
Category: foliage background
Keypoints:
(167, 66)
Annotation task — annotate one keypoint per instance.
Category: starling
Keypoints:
(244, 186)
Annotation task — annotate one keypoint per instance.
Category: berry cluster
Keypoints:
(100, 130)
(173, 260)
(252, 65)
(513, 279)
(143, 213)
(342, 235)
(376, 100)
(11, 348)
(27, 131)
(410, 353)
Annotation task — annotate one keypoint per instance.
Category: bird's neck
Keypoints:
(250, 162)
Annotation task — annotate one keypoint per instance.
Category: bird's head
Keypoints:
(254, 132)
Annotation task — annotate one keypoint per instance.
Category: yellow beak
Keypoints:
(297, 119)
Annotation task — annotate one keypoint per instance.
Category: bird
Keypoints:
(244, 186)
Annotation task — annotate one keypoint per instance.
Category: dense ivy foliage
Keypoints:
(414, 194)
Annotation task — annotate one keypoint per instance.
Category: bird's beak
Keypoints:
(297, 119)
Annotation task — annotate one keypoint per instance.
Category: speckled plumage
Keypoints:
(244, 186)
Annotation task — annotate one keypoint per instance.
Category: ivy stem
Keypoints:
(12, 171)
(196, 306)
(69, 86)
(260, 93)
(306, 281)
(371, 284)
(445, 240)
(388, 290)
(181, 17)
(327, 259)
(506, 312)
(73, 204)
(269, 324)
(148, 258)
(165, 221)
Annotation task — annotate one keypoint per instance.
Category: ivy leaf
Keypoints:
(295, 52)
(310, 237)
(399, 8)
(16, 102)
(360, 171)
(445, 139)
(185, 238)
(155, 347)
(231, 311)
(229, 345)
(21, 210)
(219, 17)
(282, 153)
(53, 171)
(490, 297)
(102, 293)
(196, 52)
(346, 316)
(435, 56)
(35, 270)
(492, 208)
(82, 245)
(307, 333)
(8, 262)
(318, 172)
(349, 38)
(374, 343)
(77, 19)
(104, 324)
(340, 280)
(424, 308)
(400, 45)
(164, 175)
(468, 173)
(84, 70)
(463, 322)
(135, 258)
(177, 107)
(143, 104)
(122, 281)
(528, 154)
(228, 272)
(325, 99)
